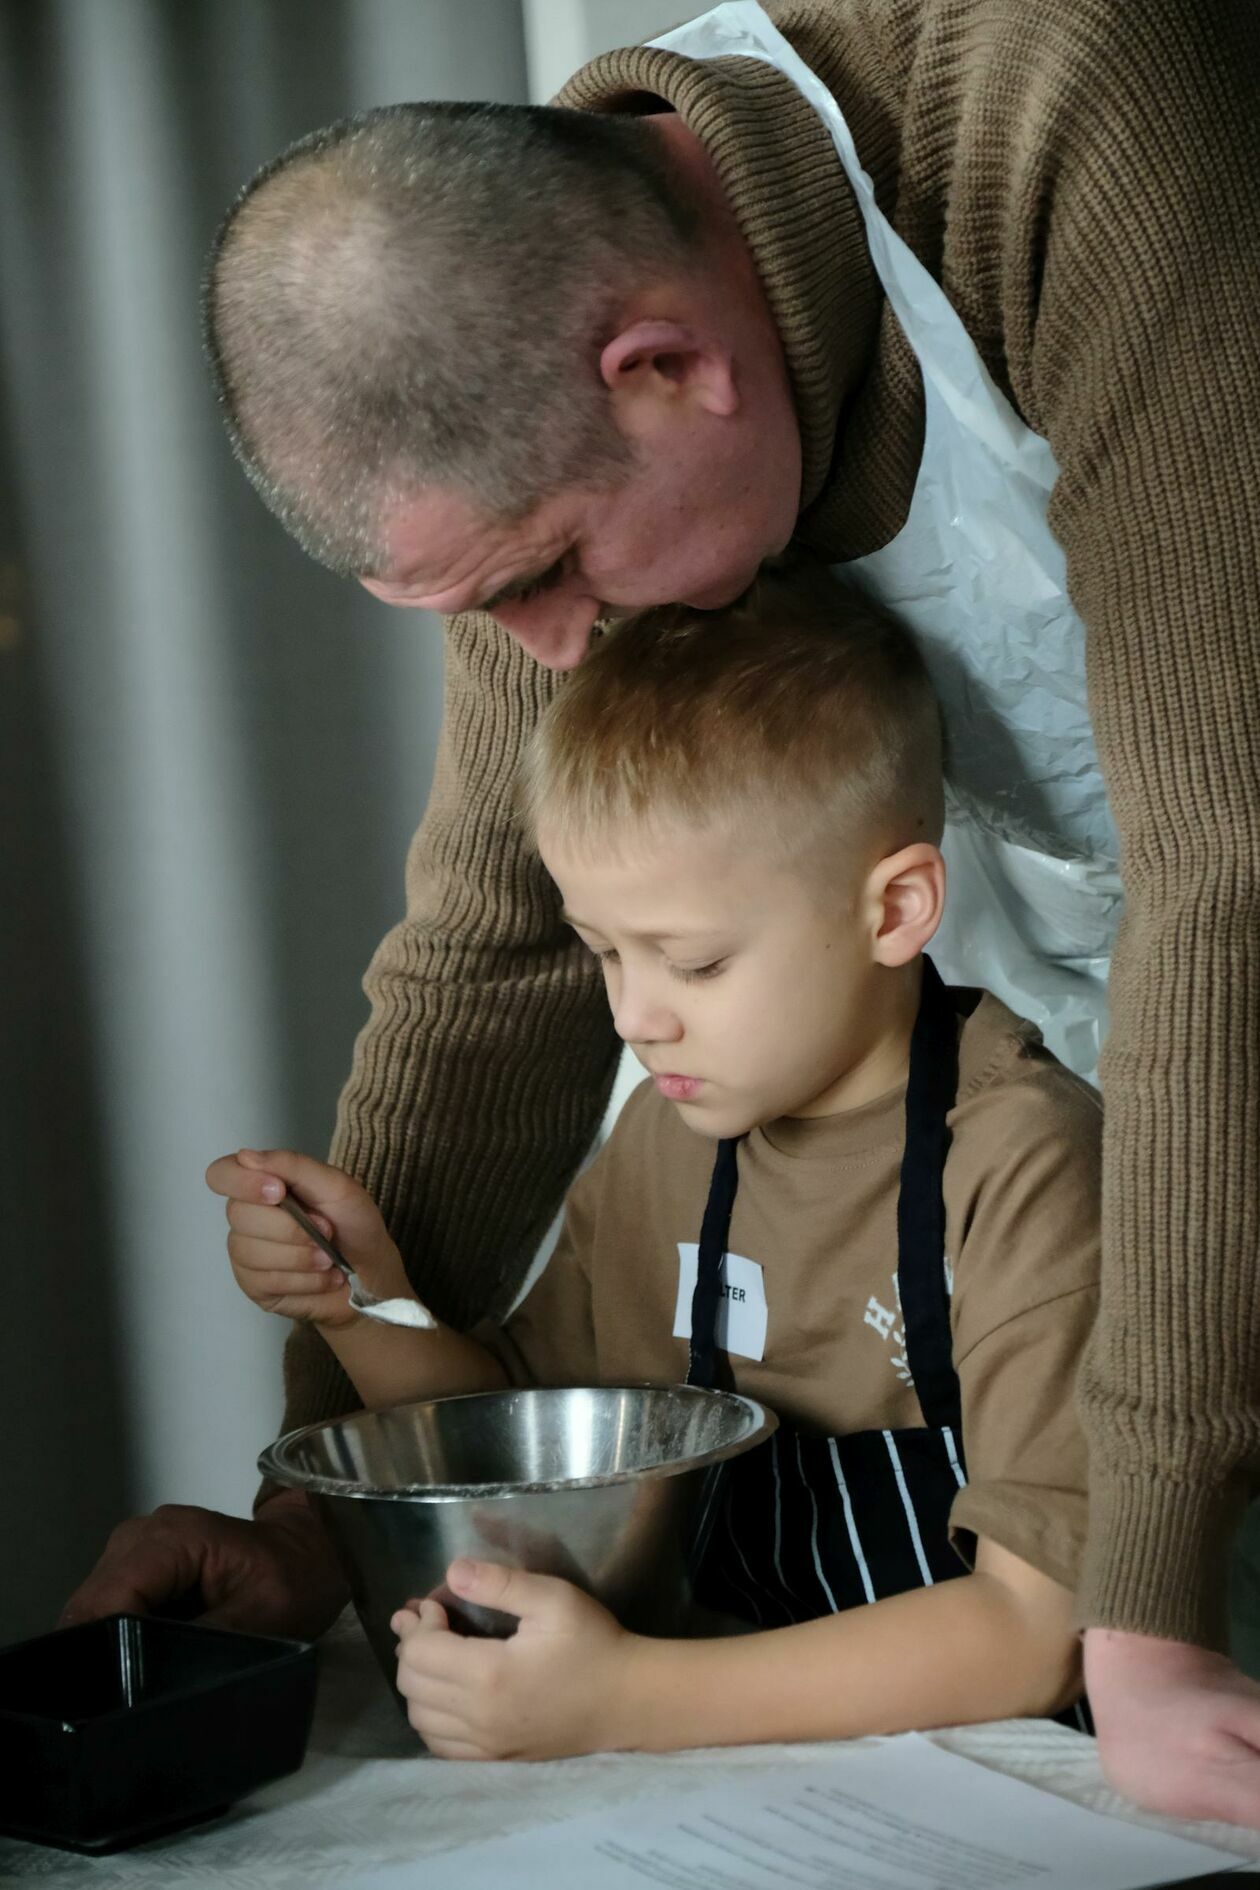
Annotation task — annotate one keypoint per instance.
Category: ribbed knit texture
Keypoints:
(1081, 178)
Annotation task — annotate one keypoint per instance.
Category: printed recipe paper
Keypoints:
(902, 1815)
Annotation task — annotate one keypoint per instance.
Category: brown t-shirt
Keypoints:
(816, 1213)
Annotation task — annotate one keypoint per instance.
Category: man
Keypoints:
(534, 369)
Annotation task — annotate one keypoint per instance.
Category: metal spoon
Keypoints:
(390, 1312)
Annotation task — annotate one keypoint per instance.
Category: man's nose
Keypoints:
(554, 629)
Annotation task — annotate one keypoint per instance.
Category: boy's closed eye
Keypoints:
(687, 974)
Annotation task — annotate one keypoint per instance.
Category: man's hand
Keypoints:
(548, 1693)
(1178, 1728)
(275, 1575)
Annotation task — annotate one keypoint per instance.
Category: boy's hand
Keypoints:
(552, 1691)
(275, 1264)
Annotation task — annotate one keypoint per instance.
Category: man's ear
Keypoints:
(907, 891)
(668, 360)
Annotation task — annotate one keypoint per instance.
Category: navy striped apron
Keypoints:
(806, 1525)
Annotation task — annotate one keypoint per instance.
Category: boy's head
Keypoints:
(742, 811)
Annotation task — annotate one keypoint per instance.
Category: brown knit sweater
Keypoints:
(1081, 176)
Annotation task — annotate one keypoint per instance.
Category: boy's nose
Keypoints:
(638, 1018)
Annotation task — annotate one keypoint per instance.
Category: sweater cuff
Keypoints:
(1157, 1557)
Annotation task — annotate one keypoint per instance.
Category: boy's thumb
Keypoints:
(514, 1590)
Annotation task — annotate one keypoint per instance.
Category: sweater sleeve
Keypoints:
(1142, 372)
(549, 1339)
(1082, 180)
(486, 1062)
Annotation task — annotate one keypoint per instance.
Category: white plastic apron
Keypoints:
(976, 573)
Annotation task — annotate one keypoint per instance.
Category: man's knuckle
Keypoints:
(187, 1526)
(124, 1534)
(172, 1515)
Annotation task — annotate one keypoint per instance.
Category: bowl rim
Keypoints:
(271, 1461)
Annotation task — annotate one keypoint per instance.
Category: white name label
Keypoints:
(741, 1315)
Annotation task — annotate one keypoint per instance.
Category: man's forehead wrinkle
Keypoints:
(435, 542)
(462, 562)
(481, 574)
(487, 558)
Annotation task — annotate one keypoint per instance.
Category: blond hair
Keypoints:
(801, 716)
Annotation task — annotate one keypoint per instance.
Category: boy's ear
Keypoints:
(907, 890)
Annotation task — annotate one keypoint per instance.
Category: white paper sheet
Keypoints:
(900, 1816)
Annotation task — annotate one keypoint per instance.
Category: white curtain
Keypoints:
(212, 754)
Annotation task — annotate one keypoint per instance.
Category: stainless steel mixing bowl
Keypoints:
(610, 1487)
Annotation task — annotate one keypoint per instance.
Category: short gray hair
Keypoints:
(418, 296)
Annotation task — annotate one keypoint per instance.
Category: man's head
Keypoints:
(742, 812)
(506, 357)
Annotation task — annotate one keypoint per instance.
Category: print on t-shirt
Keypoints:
(886, 1321)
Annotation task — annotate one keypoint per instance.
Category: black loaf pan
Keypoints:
(120, 1729)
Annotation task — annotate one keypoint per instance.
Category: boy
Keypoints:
(742, 813)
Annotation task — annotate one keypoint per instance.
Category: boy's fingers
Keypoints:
(546, 1599)
(445, 1734)
(258, 1260)
(272, 1225)
(267, 1288)
(315, 1183)
(430, 1614)
(272, 1286)
(266, 1175)
(229, 1176)
(225, 1175)
(438, 1661)
(247, 1250)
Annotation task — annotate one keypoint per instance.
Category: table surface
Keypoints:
(367, 1795)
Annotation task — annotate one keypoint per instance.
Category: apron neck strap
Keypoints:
(921, 1278)
(702, 1360)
